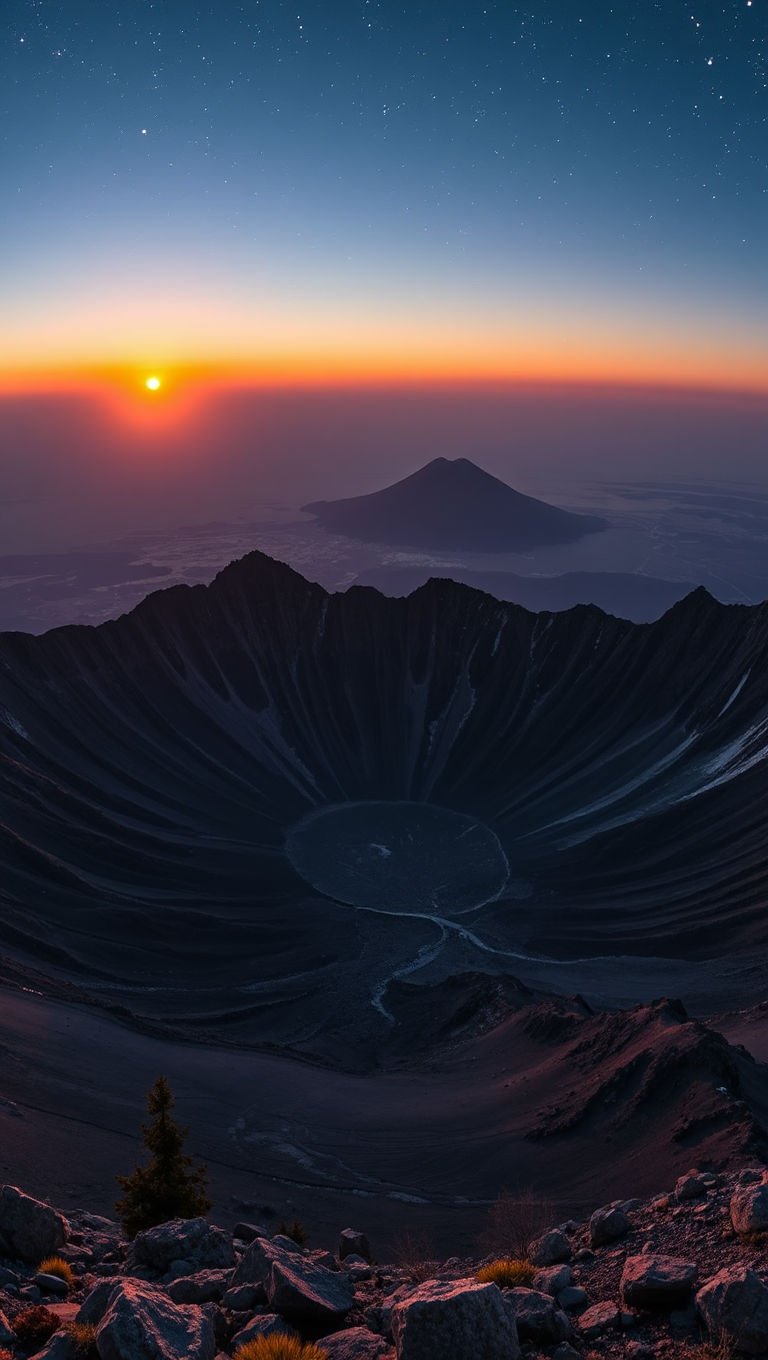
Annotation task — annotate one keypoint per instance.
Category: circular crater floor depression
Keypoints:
(399, 857)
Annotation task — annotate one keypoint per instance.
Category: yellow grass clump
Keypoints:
(507, 1273)
(83, 1337)
(276, 1347)
(56, 1265)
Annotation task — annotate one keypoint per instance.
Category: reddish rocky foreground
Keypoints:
(668, 1276)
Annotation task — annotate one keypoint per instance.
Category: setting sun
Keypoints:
(152, 384)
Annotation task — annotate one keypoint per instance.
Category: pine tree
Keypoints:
(169, 1187)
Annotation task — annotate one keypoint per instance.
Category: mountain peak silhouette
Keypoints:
(454, 505)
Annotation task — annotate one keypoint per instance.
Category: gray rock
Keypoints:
(572, 1297)
(51, 1284)
(327, 1259)
(608, 1225)
(60, 1347)
(177, 1270)
(354, 1243)
(356, 1343)
(8, 1277)
(550, 1249)
(203, 1287)
(750, 1176)
(749, 1209)
(306, 1292)
(657, 1281)
(95, 1304)
(248, 1232)
(141, 1323)
(735, 1304)
(29, 1229)
(7, 1337)
(690, 1186)
(454, 1320)
(266, 1324)
(255, 1265)
(244, 1297)
(188, 1239)
(537, 1316)
(552, 1279)
(599, 1318)
(566, 1351)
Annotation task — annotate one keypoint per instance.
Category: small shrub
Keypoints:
(507, 1273)
(83, 1337)
(170, 1186)
(413, 1250)
(4, 1354)
(35, 1326)
(56, 1265)
(296, 1232)
(515, 1221)
(278, 1347)
(718, 1347)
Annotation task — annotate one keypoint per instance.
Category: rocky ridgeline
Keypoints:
(639, 1279)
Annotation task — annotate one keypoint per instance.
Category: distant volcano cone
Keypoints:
(454, 505)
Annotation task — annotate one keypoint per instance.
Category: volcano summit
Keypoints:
(200, 797)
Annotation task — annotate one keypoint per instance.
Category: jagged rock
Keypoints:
(550, 1249)
(255, 1265)
(193, 1240)
(552, 1279)
(202, 1287)
(95, 1304)
(327, 1259)
(599, 1318)
(537, 1316)
(456, 1320)
(51, 1284)
(735, 1303)
(356, 1343)
(248, 1232)
(306, 1292)
(8, 1277)
(7, 1336)
(29, 1229)
(749, 1209)
(608, 1225)
(657, 1281)
(244, 1297)
(141, 1323)
(571, 1297)
(566, 1352)
(691, 1186)
(59, 1347)
(266, 1324)
(353, 1243)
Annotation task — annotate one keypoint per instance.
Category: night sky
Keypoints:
(342, 189)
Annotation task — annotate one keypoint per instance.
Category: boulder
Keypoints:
(248, 1232)
(735, 1304)
(60, 1347)
(454, 1320)
(308, 1293)
(354, 1243)
(266, 1324)
(608, 1225)
(96, 1303)
(255, 1265)
(51, 1284)
(599, 1318)
(537, 1316)
(657, 1281)
(691, 1186)
(749, 1209)
(550, 1249)
(566, 1352)
(244, 1297)
(552, 1279)
(571, 1297)
(184, 1239)
(7, 1336)
(29, 1229)
(141, 1323)
(203, 1287)
(356, 1343)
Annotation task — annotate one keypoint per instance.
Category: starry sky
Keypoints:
(366, 189)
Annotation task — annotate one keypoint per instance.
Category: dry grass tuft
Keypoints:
(716, 1347)
(507, 1273)
(515, 1221)
(56, 1265)
(412, 1252)
(277, 1347)
(35, 1326)
(83, 1337)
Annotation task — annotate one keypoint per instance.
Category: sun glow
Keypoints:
(153, 384)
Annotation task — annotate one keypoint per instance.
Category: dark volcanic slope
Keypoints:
(152, 768)
(453, 504)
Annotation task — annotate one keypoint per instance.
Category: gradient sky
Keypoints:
(361, 187)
